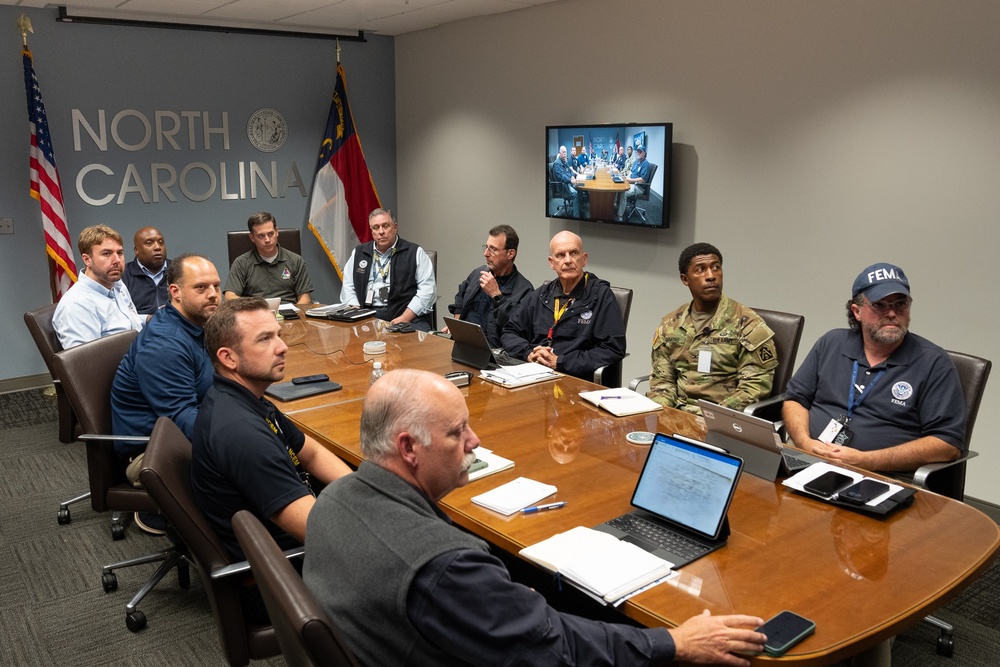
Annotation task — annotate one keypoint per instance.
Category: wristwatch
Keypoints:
(498, 299)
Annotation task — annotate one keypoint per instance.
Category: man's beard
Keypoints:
(884, 336)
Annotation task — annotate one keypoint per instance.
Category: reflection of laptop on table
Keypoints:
(754, 440)
(472, 347)
(681, 501)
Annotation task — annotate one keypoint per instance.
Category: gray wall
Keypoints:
(112, 68)
(811, 139)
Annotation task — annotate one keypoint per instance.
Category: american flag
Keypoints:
(45, 185)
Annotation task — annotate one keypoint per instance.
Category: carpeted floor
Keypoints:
(53, 610)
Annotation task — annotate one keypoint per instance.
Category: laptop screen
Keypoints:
(687, 484)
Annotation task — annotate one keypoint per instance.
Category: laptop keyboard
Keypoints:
(794, 463)
(504, 359)
(660, 536)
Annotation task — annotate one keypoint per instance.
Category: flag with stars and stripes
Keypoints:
(45, 185)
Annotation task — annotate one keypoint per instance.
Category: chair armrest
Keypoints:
(922, 476)
(120, 438)
(599, 373)
(244, 566)
(635, 382)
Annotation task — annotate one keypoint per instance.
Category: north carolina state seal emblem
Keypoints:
(267, 130)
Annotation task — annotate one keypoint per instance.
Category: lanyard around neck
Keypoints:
(854, 380)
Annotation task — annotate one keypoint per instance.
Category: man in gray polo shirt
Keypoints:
(876, 395)
(268, 270)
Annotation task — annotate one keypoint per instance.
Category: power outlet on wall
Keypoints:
(6, 225)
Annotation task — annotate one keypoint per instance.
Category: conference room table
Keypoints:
(602, 190)
(861, 579)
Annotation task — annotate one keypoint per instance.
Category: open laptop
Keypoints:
(681, 500)
(472, 348)
(754, 440)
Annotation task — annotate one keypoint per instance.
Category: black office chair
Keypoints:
(560, 190)
(239, 242)
(305, 632)
(611, 375)
(631, 207)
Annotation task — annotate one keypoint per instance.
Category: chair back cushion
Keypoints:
(87, 372)
(973, 372)
(239, 242)
(787, 330)
(39, 323)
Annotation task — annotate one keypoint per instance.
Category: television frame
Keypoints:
(598, 138)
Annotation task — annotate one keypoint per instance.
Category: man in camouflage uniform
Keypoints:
(713, 347)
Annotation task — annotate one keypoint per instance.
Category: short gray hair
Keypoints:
(391, 407)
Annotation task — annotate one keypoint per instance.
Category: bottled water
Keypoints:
(377, 372)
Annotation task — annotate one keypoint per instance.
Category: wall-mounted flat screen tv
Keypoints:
(592, 173)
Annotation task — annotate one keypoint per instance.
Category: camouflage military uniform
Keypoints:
(743, 359)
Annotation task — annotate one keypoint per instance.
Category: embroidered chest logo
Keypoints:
(286, 275)
(585, 317)
(901, 391)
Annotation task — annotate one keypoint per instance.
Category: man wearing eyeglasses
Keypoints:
(491, 292)
(877, 396)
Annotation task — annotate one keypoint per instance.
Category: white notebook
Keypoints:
(599, 563)
(494, 463)
(513, 496)
(620, 402)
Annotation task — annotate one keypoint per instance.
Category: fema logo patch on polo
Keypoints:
(286, 275)
(585, 317)
(363, 264)
(902, 391)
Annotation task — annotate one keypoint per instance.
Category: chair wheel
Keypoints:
(135, 621)
(946, 645)
(183, 574)
(62, 516)
(117, 532)
(110, 582)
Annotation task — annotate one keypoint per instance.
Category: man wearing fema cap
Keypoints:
(875, 395)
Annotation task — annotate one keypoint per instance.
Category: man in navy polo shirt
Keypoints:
(877, 396)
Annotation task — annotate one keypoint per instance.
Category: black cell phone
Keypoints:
(863, 491)
(289, 315)
(309, 379)
(828, 484)
(785, 631)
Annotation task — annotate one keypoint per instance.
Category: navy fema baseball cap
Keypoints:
(879, 281)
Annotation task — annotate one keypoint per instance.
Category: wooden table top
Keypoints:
(861, 579)
(602, 182)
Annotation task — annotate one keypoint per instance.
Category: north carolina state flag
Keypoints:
(343, 193)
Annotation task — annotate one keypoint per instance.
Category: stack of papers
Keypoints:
(599, 563)
(520, 375)
(620, 402)
(494, 463)
(513, 496)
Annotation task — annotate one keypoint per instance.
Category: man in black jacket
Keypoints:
(492, 292)
(572, 324)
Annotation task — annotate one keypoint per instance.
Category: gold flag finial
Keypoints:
(24, 27)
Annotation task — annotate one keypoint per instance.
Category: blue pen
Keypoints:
(542, 508)
(604, 398)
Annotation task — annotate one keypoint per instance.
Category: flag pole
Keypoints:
(338, 50)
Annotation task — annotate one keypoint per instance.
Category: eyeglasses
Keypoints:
(900, 306)
(491, 250)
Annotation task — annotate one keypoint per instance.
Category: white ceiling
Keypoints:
(385, 17)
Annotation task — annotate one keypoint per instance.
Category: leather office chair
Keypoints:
(787, 329)
(559, 190)
(239, 242)
(166, 475)
(87, 372)
(306, 634)
(39, 323)
(611, 375)
(432, 254)
(631, 207)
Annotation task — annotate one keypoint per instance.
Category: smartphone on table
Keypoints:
(828, 484)
(863, 491)
(785, 631)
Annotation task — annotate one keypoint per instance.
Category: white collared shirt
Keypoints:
(89, 311)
